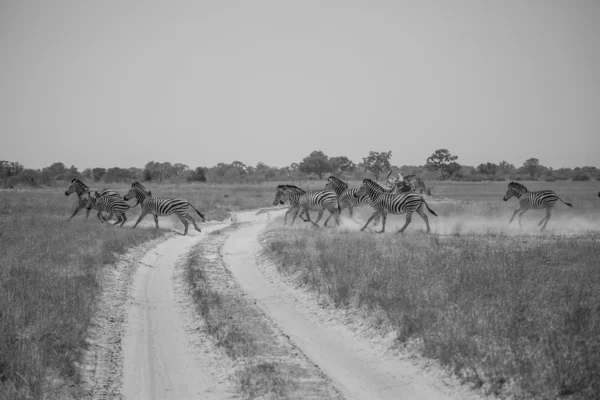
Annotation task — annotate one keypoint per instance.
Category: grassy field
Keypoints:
(49, 270)
(509, 309)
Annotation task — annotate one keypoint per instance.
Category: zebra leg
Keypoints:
(142, 215)
(425, 218)
(76, 211)
(319, 216)
(185, 223)
(369, 220)
(296, 211)
(124, 219)
(193, 222)
(520, 215)
(514, 214)
(383, 218)
(118, 216)
(408, 219)
(286, 214)
(351, 211)
(156, 220)
(547, 218)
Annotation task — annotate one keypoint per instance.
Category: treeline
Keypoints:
(440, 165)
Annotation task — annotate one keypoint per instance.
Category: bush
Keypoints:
(581, 178)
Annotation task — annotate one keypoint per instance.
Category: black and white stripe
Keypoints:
(292, 197)
(346, 196)
(83, 192)
(111, 204)
(318, 200)
(384, 202)
(533, 200)
(159, 206)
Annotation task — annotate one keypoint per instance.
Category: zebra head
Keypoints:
(514, 189)
(91, 199)
(336, 185)
(280, 195)
(76, 187)
(137, 191)
(370, 188)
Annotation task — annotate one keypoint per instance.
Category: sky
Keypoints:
(121, 83)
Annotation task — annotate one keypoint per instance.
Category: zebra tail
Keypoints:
(569, 204)
(430, 210)
(199, 213)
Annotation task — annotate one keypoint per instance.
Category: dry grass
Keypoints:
(266, 365)
(49, 282)
(514, 311)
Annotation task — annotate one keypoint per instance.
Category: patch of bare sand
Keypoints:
(362, 363)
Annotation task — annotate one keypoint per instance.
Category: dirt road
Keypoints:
(156, 348)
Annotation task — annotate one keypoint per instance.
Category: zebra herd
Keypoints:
(111, 202)
(391, 201)
(334, 197)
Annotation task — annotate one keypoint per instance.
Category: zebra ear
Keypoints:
(388, 175)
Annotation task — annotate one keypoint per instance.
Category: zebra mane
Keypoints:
(289, 187)
(338, 180)
(139, 185)
(80, 182)
(517, 186)
(367, 180)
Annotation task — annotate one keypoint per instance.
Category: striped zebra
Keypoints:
(346, 196)
(292, 197)
(83, 192)
(111, 204)
(532, 200)
(319, 200)
(159, 206)
(384, 202)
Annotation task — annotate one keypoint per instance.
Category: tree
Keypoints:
(531, 166)
(317, 162)
(341, 164)
(506, 167)
(377, 162)
(198, 175)
(441, 160)
(487, 169)
(98, 173)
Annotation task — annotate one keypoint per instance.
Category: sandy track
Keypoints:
(152, 345)
(357, 369)
(164, 356)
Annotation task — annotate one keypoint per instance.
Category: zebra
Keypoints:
(316, 200)
(384, 202)
(111, 204)
(347, 199)
(534, 200)
(292, 197)
(83, 192)
(159, 206)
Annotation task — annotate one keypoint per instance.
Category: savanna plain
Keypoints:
(512, 311)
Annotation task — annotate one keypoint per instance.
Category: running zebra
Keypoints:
(83, 192)
(159, 206)
(293, 196)
(346, 196)
(534, 200)
(384, 202)
(111, 204)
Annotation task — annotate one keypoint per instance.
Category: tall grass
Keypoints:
(517, 313)
(49, 278)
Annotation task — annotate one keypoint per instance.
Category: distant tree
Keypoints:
(441, 160)
(198, 175)
(531, 166)
(146, 175)
(487, 169)
(341, 164)
(377, 162)
(98, 173)
(506, 167)
(317, 162)
(55, 170)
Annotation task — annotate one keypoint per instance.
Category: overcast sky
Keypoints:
(121, 83)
